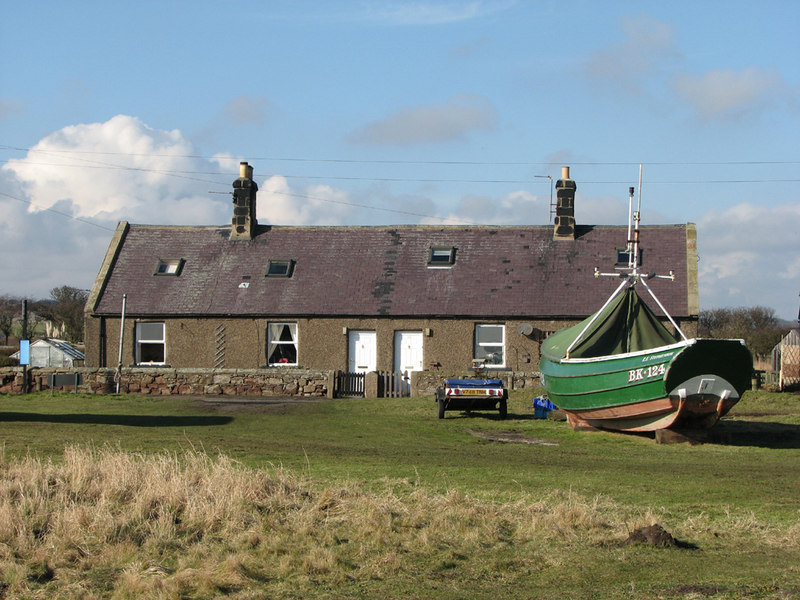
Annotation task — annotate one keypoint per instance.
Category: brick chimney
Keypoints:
(565, 207)
(243, 224)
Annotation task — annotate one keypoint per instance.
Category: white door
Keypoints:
(362, 351)
(407, 352)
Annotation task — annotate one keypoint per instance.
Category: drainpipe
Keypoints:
(118, 375)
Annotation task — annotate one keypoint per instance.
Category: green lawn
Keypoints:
(734, 502)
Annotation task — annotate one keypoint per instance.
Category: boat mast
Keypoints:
(636, 225)
(633, 276)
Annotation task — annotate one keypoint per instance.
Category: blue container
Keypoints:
(541, 406)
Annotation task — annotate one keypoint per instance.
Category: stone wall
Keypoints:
(167, 382)
(233, 382)
(424, 383)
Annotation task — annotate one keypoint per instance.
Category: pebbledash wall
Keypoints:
(231, 382)
(322, 342)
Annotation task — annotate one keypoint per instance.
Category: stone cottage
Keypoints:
(357, 299)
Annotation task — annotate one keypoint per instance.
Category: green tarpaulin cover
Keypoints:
(625, 325)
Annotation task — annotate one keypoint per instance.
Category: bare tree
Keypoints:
(66, 308)
(10, 306)
(756, 325)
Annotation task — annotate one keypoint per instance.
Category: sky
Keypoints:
(386, 112)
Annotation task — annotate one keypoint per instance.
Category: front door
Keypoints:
(362, 351)
(407, 354)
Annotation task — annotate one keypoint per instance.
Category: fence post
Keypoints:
(331, 391)
(371, 385)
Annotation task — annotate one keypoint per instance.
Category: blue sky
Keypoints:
(387, 112)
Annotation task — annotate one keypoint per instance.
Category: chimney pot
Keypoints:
(243, 223)
(564, 226)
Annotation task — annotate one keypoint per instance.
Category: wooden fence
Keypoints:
(789, 378)
(350, 385)
(389, 384)
(394, 385)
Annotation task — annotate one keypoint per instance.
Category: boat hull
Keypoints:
(689, 384)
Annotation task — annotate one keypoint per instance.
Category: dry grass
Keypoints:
(108, 524)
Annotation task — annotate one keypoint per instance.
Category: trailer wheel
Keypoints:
(503, 408)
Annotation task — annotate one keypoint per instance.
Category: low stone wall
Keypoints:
(425, 383)
(231, 382)
(166, 382)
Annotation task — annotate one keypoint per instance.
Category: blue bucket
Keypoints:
(542, 406)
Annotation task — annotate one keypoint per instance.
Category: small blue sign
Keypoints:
(24, 352)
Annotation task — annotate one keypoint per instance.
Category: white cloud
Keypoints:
(446, 122)
(730, 94)
(430, 13)
(120, 170)
(244, 110)
(749, 257)
(62, 201)
(515, 208)
(46, 249)
(279, 204)
(647, 45)
(11, 107)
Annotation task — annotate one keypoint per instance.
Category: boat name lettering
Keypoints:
(656, 357)
(645, 373)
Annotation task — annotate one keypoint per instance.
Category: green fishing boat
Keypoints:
(623, 369)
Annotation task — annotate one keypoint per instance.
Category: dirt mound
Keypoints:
(655, 535)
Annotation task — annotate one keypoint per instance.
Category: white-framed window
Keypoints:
(169, 266)
(490, 342)
(151, 344)
(282, 344)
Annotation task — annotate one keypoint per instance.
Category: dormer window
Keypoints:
(280, 268)
(169, 266)
(442, 256)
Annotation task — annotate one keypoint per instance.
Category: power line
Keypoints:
(184, 174)
(408, 162)
(58, 212)
(391, 210)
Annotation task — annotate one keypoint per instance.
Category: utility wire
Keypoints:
(409, 162)
(58, 212)
(183, 174)
(188, 175)
(391, 210)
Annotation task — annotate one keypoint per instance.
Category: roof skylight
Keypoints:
(280, 268)
(441, 256)
(169, 266)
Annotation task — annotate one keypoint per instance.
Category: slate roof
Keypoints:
(499, 271)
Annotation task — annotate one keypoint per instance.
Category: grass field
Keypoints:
(138, 497)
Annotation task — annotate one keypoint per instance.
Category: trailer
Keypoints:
(472, 394)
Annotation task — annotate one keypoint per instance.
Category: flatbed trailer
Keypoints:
(472, 394)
